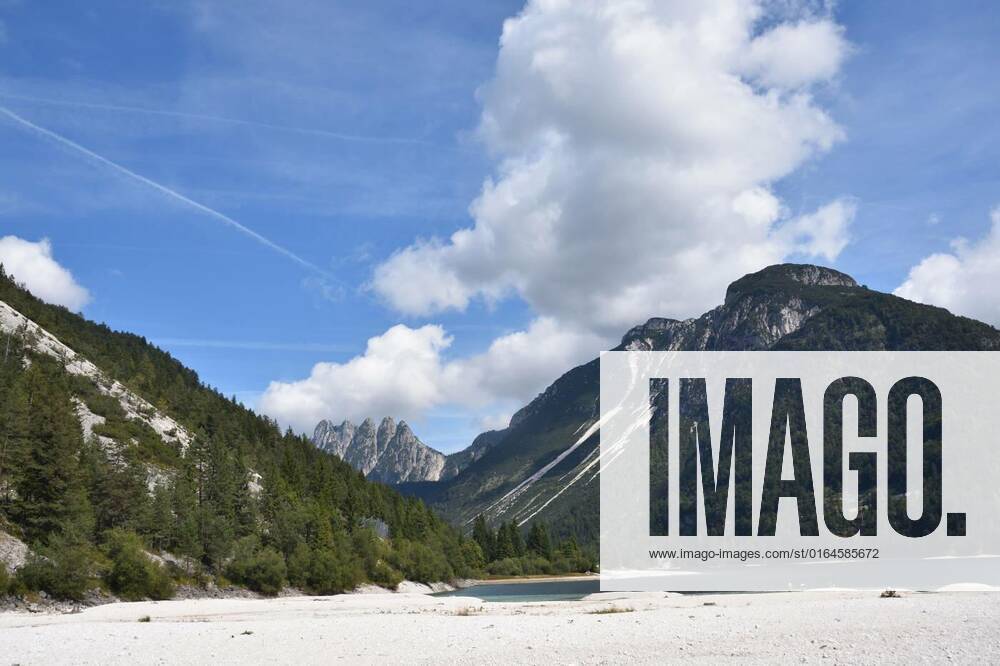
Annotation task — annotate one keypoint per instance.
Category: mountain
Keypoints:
(458, 461)
(544, 465)
(110, 447)
(392, 454)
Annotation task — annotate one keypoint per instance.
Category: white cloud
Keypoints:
(823, 233)
(795, 55)
(32, 264)
(963, 280)
(637, 146)
(399, 374)
(404, 373)
(519, 365)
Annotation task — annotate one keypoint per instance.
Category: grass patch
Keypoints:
(611, 610)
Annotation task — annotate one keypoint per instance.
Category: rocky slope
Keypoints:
(544, 465)
(389, 453)
(133, 407)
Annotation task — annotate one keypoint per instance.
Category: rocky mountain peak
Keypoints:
(760, 309)
(787, 277)
(389, 452)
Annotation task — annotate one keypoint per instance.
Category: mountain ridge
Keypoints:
(545, 463)
(392, 453)
(389, 453)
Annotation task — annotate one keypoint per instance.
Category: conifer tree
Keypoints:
(505, 544)
(484, 536)
(516, 540)
(50, 492)
(538, 541)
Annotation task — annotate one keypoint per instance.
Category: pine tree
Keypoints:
(184, 538)
(516, 540)
(539, 542)
(50, 492)
(505, 544)
(484, 536)
(13, 423)
(118, 491)
(158, 527)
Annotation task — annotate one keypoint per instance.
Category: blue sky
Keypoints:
(344, 132)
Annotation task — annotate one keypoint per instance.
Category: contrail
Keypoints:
(254, 345)
(340, 136)
(167, 191)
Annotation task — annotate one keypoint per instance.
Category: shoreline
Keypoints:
(541, 578)
(846, 627)
(97, 598)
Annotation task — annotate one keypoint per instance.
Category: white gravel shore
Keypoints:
(836, 627)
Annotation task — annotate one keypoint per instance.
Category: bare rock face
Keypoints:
(389, 453)
(13, 552)
(760, 309)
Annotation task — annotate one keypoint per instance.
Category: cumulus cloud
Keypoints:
(637, 146)
(399, 373)
(518, 365)
(794, 55)
(823, 233)
(963, 280)
(32, 264)
(404, 373)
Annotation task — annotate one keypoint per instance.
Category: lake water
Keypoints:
(552, 590)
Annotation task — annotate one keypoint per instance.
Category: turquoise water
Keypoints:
(558, 590)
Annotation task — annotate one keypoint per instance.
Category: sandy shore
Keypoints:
(847, 627)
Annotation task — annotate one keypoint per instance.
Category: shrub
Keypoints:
(472, 554)
(333, 572)
(373, 553)
(298, 565)
(65, 568)
(133, 575)
(384, 575)
(4, 580)
(266, 573)
(420, 563)
(260, 569)
(507, 567)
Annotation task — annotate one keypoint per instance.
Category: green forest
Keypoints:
(508, 552)
(245, 504)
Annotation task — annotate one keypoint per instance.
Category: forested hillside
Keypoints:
(241, 501)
